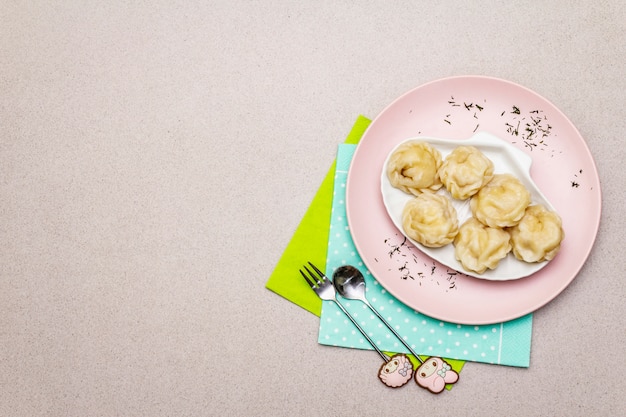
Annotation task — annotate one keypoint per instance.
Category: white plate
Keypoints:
(506, 159)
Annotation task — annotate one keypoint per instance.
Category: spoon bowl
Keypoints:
(349, 282)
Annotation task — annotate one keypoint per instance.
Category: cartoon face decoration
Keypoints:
(397, 372)
(434, 374)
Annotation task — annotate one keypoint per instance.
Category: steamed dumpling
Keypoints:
(538, 235)
(479, 247)
(430, 219)
(502, 202)
(465, 171)
(413, 167)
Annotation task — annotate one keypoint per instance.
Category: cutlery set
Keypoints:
(432, 374)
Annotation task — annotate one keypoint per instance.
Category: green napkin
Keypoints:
(310, 241)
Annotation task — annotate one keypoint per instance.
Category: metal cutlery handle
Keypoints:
(392, 330)
(382, 355)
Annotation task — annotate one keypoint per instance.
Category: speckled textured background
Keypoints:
(155, 159)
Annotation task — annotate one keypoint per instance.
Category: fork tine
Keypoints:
(307, 279)
(320, 273)
(312, 276)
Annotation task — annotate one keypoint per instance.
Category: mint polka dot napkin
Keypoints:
(503, 343)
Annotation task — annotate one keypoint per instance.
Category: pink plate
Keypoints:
(457, 108)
